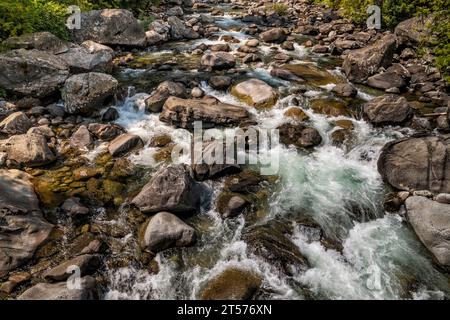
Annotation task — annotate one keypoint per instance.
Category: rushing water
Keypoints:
(380, 257)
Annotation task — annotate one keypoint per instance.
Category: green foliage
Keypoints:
(2, 93)
(280, 8)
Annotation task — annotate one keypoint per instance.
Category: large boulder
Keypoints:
(30, 150)
(156, 101)
(183, 113)
(277, 35)
(178, 29)
(414, 31)
(232, 284)
(61, 291)
(417, 164)
(110, 27)
(15, 123)
(44, 41)
(365, 62)
(170, 189)
(32, 72)
(86, 92)
(256, 93)
(388, 109)
(431, 222)
(22, 229)
(165, 230)
(80, 59)
(218, 60)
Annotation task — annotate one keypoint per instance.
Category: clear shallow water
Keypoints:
(380, 257)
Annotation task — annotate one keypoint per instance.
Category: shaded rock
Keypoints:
(81, 138)
(15, 123)
(170, 189)
(270, 242)
(243, 182)
(256, 93)
(431, 222)
(277, 35)
(229, 205)
(417, 164)
(178, 29)
(231, 284)
(22, 228)
(30, 150)
(73, 207)
(388, 110)
(125, 143)
(43, 41)
(156, 101)
(218, 60)
(165, 230)
(111, 114)
(60, 291)
(84, 93)
(87, 264)
(395, 76)
(299, 135)
(183, 112)
(110, 27)
(105, 132)
(220, 82)
(32, 72)
(365, 62)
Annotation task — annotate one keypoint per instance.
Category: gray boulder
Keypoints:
(43, 41)
(80, 59)
(431, 222)
(81, 138)
(86, 92)
(388, 109)
(417, 164)
(365, 62)
(32, 72)
(170, 189)
(178, 29)
(165, 230)
(23, 229)
(30, 150)
(110, 27)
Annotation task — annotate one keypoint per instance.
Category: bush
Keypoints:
(280, 8)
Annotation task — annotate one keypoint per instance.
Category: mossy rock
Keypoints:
(160, 141)
(121, 169)
(313, 75)
(164, 154)
(345, 124)
(330, 107)
(85, 173)
(296, 114)
(232, 284)
(246, 181)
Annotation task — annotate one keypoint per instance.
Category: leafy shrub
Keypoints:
(280, 8)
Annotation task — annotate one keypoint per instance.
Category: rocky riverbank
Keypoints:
(360, 206)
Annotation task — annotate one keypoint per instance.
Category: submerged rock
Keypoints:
(183, 113)
(256, 93)
(232, 284)
(170, 189)
(32, 72)
(165, 230)
(417, 164)
(388, 110)
(60, 291)
(110, 27)
(84, 93)
(431, 222)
